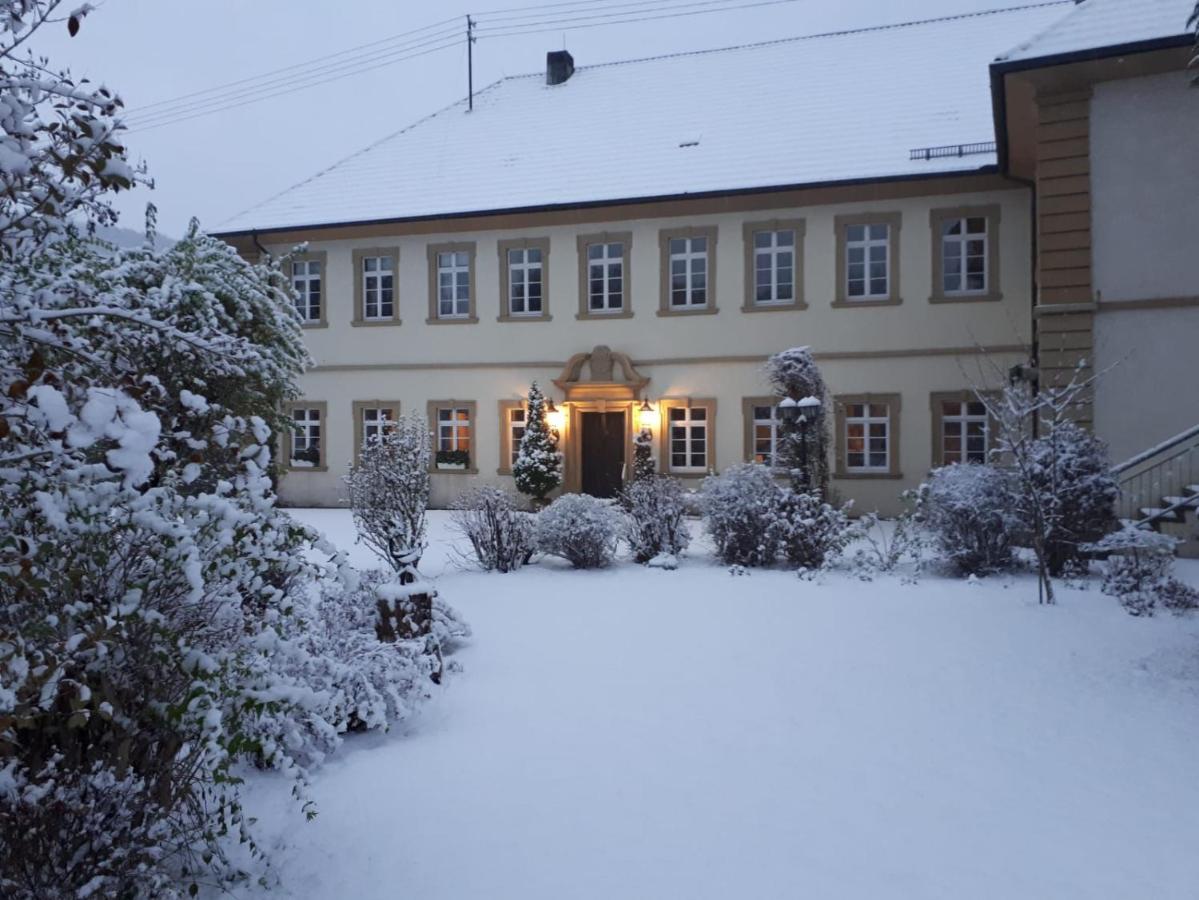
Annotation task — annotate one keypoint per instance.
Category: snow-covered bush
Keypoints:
(389, 493)
(811, 531)
(1138, 571)
(538, 466)
(655, 524)
(70, 831)
(500, 535)
(970, 511)
(885, 546)
(156, 609)
(742, 507)
(1071, 469)
(580, 529)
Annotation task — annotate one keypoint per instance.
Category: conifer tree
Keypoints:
(538, 466)
(643, 456)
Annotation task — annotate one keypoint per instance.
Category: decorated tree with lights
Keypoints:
(643, 455)
(538, 466)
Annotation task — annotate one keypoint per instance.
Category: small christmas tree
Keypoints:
(643, 455)
(538, 466)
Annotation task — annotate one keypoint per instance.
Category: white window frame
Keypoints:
(373, 288)
(454, 425)
(611, 268)
(459, 277)
(773, 424)
(307, 274)
(376, 422)
(520, 271)
(690, 424)
(963, 418)
(866, 420)
(306, 432)
(772, 253)
(514, 426)
(690, 257)
(962, 242)
(867, 245)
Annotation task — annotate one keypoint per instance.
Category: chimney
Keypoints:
(559, 66)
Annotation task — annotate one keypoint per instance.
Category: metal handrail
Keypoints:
(1168, 444)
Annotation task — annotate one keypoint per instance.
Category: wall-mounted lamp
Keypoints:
(554, 417)
(647, 416)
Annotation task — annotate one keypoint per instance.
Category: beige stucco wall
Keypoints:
(1145, 187)
(1145, 193)
(906, 348)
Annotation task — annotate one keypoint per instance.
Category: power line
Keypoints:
(299, 65)
(595, 21)
(578, 8)
(291, 89)
(346, 66)
(417, 42)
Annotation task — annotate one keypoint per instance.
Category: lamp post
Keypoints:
(796, 416)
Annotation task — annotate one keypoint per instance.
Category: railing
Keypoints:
(952, 150)
(1166, 470)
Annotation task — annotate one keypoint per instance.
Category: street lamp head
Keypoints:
(809, 409)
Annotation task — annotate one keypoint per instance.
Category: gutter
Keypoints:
(623, 201)
(999, 69)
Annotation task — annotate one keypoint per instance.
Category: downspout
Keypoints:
(261, 249)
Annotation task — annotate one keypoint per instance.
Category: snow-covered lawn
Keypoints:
(636, 733)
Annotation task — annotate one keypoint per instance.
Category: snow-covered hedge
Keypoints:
(655, 525)
(580, 529)
(500, 535)
(754, 520)
(971, 512)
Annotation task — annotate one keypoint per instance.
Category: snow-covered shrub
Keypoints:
(741, 512)
(1138, 570)
(1071, 470)
(811, 531)
(75, 832)
(970, 511)
(580, 529)
(500, 535)
(885, 546)
(389, 493)
(538, 466)
(156, 609)
(655, 524)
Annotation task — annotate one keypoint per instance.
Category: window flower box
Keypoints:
(453, 460)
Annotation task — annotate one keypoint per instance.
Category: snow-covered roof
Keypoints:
(1098, 24)
(844, 106)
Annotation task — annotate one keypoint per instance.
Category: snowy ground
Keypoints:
(637, 733)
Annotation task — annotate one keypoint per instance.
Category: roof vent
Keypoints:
(559, 66)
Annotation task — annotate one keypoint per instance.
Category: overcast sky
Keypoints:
(214, 166)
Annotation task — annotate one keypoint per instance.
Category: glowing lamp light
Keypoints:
(554, 417)
(647, 416)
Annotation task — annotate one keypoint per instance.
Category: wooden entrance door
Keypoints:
(603, 449)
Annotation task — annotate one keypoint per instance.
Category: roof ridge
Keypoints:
(367, 149)
(815, 36)
(1033, 38)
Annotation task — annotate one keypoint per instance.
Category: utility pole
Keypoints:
(470, 63)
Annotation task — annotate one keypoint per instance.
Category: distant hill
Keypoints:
(127, 237)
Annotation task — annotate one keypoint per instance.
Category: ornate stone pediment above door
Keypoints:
(601, 374)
